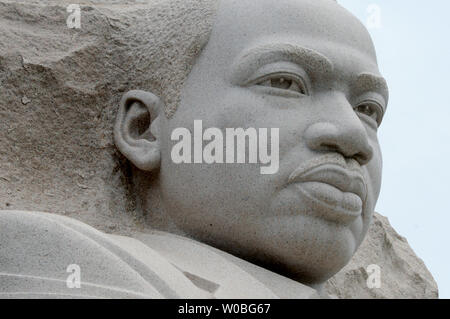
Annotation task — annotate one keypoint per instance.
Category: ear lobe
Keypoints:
(136, 131)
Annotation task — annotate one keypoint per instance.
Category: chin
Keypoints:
(308, 250)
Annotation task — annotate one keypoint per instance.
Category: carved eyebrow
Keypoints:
(367, 82)
(311, 60)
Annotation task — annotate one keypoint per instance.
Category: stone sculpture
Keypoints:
(224, 230)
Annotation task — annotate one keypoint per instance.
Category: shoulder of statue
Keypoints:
(49, 255)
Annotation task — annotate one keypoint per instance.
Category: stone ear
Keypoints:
(136, 131)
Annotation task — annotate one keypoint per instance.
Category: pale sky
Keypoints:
(413, 49)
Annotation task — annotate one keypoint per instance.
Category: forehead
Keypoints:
(320, 25)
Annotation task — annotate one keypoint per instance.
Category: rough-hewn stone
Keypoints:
(403, 274)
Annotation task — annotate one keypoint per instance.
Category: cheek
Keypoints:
(373, 180)
(375, 168)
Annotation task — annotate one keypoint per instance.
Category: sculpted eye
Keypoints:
(370, 109)
(284, 82)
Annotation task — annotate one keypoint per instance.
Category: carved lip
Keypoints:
(335, 183)
(346, 180)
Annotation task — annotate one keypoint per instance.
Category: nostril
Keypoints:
(361, 158)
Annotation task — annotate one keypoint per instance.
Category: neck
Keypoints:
(150, 204)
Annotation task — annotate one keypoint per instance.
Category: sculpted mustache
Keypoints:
(331, 159)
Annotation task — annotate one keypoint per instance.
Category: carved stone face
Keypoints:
(308, 68)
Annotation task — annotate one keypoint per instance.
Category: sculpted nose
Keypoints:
(349, 139)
